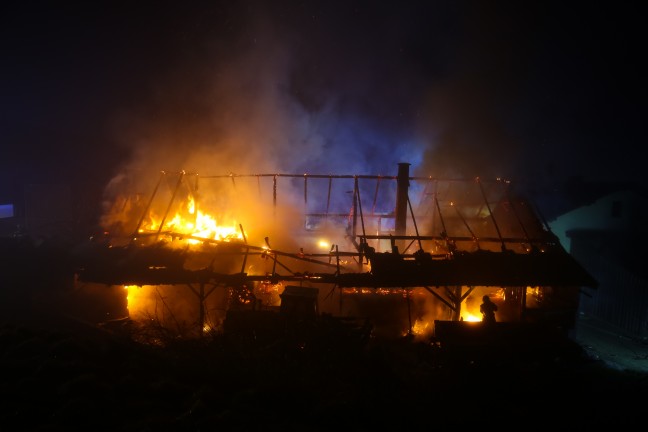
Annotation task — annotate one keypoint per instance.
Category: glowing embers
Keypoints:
(402, 292)
(421, 328)
(176, 309)
(470, 316)
(268, 293)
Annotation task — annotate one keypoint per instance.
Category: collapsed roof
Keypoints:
(456, 232)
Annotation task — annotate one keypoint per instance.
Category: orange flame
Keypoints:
(195, 224)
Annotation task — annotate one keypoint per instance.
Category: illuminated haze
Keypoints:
(286, 91)
(536, 94)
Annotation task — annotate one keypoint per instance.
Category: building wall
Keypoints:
(621, 298)
(624, 210)
(604, 237)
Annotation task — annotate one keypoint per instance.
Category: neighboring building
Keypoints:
(7, 216)
(607, 236)
(41, 211)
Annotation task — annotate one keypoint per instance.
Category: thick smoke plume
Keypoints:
(328, 88)
(276, 88)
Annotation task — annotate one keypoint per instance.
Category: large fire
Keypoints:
(191, 226)
(309, 241)
(196, 225)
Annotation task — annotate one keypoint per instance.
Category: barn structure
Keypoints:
(411, 254)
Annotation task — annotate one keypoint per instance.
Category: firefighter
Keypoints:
(488, 309)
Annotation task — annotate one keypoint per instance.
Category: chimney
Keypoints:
(402, 198)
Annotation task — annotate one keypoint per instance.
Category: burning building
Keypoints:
(407, 253)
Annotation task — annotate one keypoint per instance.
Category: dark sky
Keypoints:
(536, 92)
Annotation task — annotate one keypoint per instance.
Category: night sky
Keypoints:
(538, 93)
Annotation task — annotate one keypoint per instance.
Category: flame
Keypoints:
(421, 327)
(135, 299)
(165, 304)
(194, 224)
(467, 316)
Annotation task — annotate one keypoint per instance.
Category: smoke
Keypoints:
(326, 88)
(457, 89)
(274, 96)
(333, 88)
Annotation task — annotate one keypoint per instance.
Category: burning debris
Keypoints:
(458, 240)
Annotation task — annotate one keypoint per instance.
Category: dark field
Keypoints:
(61, 374)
